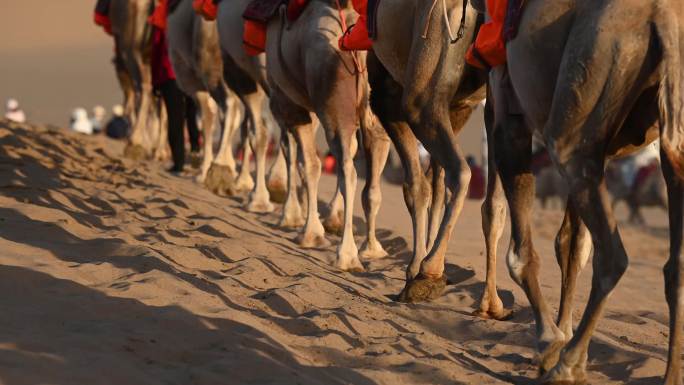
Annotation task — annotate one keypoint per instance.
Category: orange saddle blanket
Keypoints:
(489, 48)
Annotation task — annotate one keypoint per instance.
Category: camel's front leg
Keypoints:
(292, 210)
(573, 248)
(493, 223)
(673, 272)
(343, 148)
(221, 175)
(437, 202)
(245, 182)
(259, 198)
(334, 221)
(277, 177)
(376, 145)
(209, 111)
(314, 233)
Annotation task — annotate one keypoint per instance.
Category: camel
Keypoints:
(308, 74)
(422, 88)
(592, 97)
(651, 192)
(132, 62)
(196, 57)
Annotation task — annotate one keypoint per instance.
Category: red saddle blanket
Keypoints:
(258, 13)
(489, 48)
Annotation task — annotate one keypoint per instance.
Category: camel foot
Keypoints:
(422, 289)
(292, 222)
(135, 152)
(260, 206)
(220, 179)
(196, 160)
(564, 375)
(334, 225)
(549, 356)
(244, 184)
(278, 192)
(312, 241)
(352, 265)
(372, 250)
(499, 315)
(491, 307)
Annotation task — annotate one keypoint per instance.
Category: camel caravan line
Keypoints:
(593, 80)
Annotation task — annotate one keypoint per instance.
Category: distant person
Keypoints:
(178, 107)
(80, 122)
(118, 126)
(13, 112)
(98, 119)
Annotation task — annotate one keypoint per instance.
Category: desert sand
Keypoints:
(116, 273)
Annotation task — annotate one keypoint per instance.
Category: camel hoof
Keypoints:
(373, 252)
(260, 207)
(312, 241)
(548, 358)
(278, 192)
(220, 180)
(195, 160)
(562, 375)
(499, 315)
(291, 222)
(354, 266)
(135, 152)
(422, 289)
(244, 185)
(333, 225)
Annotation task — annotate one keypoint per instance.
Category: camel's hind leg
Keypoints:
(209, 111)
(259, 198)
(298, 121)
(573, 248)
(436, 175)
(493, 223)
(292, 210)
(673, 272)
(334, 221)
(221, 175)
(245, 182)
(277, 176)
(376, 145)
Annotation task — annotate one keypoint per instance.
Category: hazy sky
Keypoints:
(53, 58)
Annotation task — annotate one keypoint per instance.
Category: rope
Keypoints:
(461, 28)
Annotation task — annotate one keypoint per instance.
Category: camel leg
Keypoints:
(209, 111)
(334, 221)
(343, 146)
(493, 223)
(221, 175)
(292, 210)
(138, 146)
(245, 182)
(313, 234)
(513, 156)
(436, 175)
(259, 198)
(277, 177)
(582, 163)
(161, 148)
(573, 248)
(385, 101)
(376, 145)
(438, 133)
(673, 272)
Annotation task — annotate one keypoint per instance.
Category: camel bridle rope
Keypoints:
(461, 28)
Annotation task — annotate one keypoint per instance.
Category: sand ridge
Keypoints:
(114, 272)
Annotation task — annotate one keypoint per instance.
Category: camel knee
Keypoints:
(372, 196)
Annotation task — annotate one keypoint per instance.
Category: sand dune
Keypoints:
(115, 273)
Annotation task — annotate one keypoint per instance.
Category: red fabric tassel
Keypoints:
(254, 37)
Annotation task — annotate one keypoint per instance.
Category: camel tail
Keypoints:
(671, 100)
